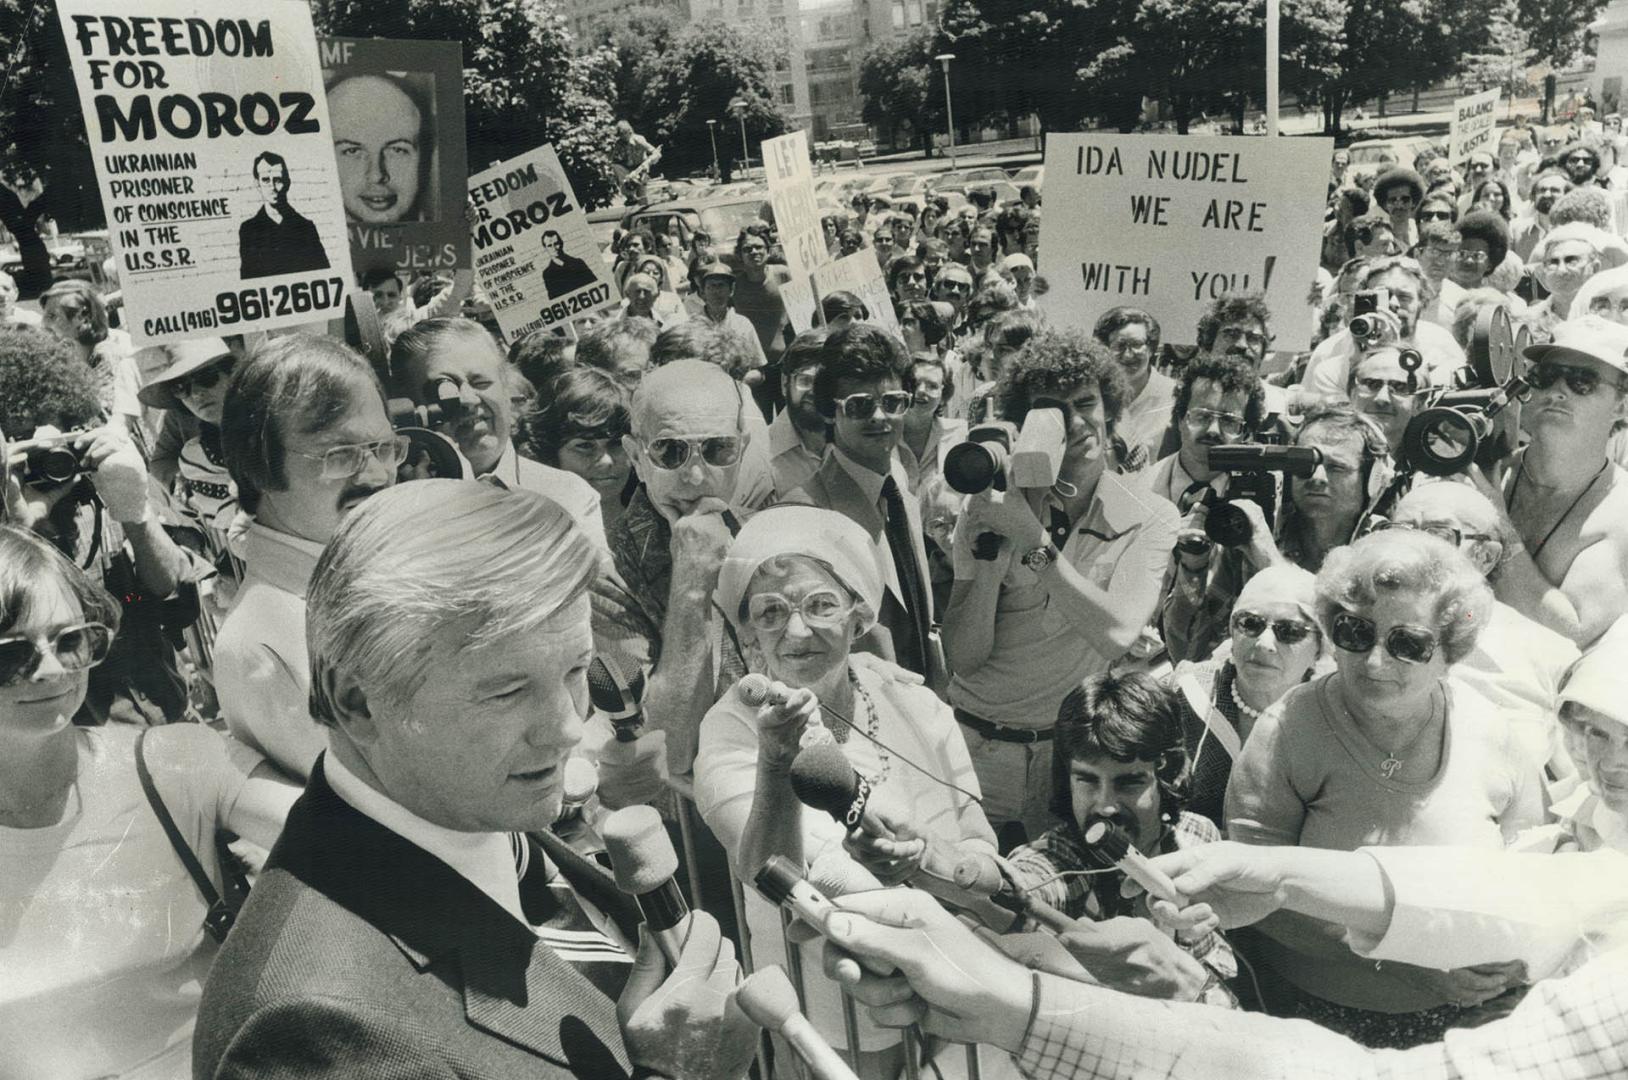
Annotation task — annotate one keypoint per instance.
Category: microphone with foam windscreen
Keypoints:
(757, 690)
(1109, 845)
(644, 863)
(769, 1001)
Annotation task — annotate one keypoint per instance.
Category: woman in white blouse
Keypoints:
(799, 586)
(103, 951)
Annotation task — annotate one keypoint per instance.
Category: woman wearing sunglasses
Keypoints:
(104, 952)
(800, 586)
(1387, 750)
(1274, 646)
(194, 385)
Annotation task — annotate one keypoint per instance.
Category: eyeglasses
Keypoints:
(822, 609)
(1434, 215)
(1254, 338)
(1450, 533)
(1287, 631)
(803, 381)
(202, 380)
(1200, 420)
(1471, 258)
(753, 247)
(958, 287)
(1586, 159)
(671, 452)
(1580, 381)
(864, 406)
(1397, 387)
(75, 648)
(1131, 348)
(1398, 201)
(1409, 644)
(344, 462)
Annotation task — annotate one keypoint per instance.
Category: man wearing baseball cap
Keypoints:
(1565, 502)
(717, 299)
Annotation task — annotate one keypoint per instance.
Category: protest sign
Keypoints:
(859, 274)
(534, 255)
(210, 134)
(398, 138)
(1472, 127)
(1168, 223)
(802, 309)
(791, 194)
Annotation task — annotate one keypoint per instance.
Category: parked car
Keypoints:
(1032, 174)
(722, 216)
(1374, 156)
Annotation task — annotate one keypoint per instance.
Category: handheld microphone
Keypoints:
(1109, 845)
(768, 1000)
(756, 690)
(644, 863)
(617, 699)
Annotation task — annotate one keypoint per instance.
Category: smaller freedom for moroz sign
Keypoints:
(535, 257)
(1169, 223)
(209, 130)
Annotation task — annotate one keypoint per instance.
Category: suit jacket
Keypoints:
(267, 248)
(566, 276)
(831, 488)
(360, 954)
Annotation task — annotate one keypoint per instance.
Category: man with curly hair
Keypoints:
(1051, 586)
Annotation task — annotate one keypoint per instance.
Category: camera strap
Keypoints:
(221, 915)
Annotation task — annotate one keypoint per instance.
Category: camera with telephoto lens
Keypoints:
(1000, 455)
(1250, 470)
(1477, 419)
(418, 423)
(54, 463)
(1372, 322)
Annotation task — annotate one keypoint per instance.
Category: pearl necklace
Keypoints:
(873, 726)
(1238, 701)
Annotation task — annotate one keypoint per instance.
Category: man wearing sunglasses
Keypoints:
(307, 440)
(863, 389)
(1582, 164)
(1565, 504)
(103, 518)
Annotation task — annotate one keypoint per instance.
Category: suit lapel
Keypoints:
(514, 987)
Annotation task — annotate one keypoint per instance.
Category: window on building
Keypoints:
(898, 14)
(788, 95)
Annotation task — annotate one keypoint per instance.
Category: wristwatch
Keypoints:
(1037, 559)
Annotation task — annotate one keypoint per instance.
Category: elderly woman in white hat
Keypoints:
(193, 386)
(1594, 720)
(800, 586)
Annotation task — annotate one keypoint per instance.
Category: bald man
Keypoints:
(655, 620)
(1518, 664)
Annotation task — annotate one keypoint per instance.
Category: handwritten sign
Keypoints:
(535, 257)
(859, 274)
(1473, 127)
(791, 194)
(398, 139)
(1170, 223)
(210, 134)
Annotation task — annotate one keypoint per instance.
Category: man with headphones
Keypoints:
(1329, 508)
(1121, 761)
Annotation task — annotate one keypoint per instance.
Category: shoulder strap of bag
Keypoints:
(1217, 724)
(218, 921)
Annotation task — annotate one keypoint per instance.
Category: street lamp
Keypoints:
(949, 114)
(712, 133)
(739, 106)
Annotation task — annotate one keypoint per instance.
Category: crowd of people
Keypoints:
(308, 726)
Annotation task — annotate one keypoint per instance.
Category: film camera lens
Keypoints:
(49, 466)
(1477, 420)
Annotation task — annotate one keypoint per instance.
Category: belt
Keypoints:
(1003, 734)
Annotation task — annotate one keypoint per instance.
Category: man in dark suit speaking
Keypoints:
(277, 239)
(416, 918)
(564, 273)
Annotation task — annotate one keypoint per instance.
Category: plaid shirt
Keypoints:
(1574, 1028)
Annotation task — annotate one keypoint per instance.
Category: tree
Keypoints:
(1503, 60)
(1558, 31)
(634, 37)
(709, 64)
(1017, 58)
(524, 84)
(900, 84)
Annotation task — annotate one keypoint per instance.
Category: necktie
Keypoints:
(911, 584)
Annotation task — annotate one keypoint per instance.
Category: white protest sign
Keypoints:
(209, 129)
(1471, 128)
(534, 255)
(791, 194)
(802, 308)
(1169, 223)
(859, 274)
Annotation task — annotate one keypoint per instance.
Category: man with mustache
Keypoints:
(1532, 225)
(307, 439)
(461, 351)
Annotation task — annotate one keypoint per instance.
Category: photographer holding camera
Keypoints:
(1391, 295)
(1219, 402)
(81, 483)
(1076, 573)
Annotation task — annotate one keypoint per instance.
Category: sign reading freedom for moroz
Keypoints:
(209, 130)
(534, 254)
(1471, 129)
(1168, 223)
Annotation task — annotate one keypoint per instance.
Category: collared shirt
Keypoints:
(1169, 478)
(924, 470)
(1144, 420)
(1122, 545)
(571, 492)
(262, 670)
(736, 322)
(870, 483)
(791, 462)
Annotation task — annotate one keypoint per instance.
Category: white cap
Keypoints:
(1596, 680)
(1587, 336)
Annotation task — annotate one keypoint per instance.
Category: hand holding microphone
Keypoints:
(787, 718)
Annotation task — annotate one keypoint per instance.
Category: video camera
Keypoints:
(1372, 322)
(999, 454)
(1478, 417)
(1250, 468)
(418, 423)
